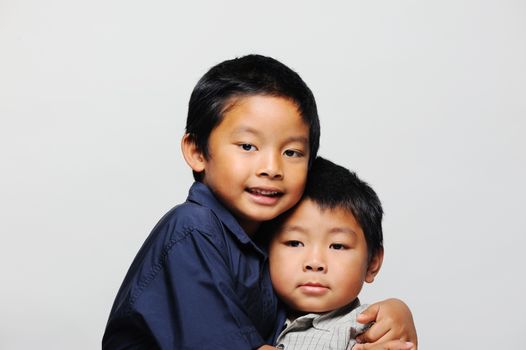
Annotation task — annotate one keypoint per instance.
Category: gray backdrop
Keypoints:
(426, 100)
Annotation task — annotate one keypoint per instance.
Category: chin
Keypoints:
(260, 217)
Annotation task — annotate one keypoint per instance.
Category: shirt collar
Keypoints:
(201, 194)
(319, 320)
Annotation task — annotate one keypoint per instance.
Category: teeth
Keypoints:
(264, 192)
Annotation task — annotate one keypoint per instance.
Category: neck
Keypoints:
(294, 314)
(250, 227)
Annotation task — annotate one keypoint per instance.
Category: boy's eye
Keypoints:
(338, 246)
(247, 147)
(294, 244)
(293, 153)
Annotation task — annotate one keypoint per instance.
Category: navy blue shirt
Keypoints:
(198, 282)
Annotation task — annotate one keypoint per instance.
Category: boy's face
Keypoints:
(258, 159)
(319, 259)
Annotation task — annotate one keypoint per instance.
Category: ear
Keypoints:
(374, 266)
(192, 155)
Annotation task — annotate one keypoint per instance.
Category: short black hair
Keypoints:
(246, 76)
(331, 186)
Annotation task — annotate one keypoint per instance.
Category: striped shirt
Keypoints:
(335, 330)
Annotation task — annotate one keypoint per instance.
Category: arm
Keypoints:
(390, 345)
(203, 288)
(181, 293)
(392, 321)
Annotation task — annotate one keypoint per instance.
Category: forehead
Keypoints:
(255, 100)
(245, 112)
(307, 216)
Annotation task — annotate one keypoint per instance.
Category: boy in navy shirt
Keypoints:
(199, 281)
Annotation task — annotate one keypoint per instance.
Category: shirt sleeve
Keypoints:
(357, 328)
(188, 300)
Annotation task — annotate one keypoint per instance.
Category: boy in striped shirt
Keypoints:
(321, 253)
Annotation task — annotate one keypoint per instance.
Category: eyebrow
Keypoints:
(333, 230)
(291, 228)
(301, 139)
(245, 129)
(256, 132)
(342, 230)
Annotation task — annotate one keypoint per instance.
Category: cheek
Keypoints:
(281, 270)
(225, 174)
(236, 165)
(350, 273)
(297, 182)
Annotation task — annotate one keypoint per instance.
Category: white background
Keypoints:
(426, 100)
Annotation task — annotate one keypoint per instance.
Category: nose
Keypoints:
(315, 263)
(314, 266)
(271, 167)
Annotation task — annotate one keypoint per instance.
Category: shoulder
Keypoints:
(187, 218)
(346, 315)
(343, 318)
(348, 322)
(182, 232)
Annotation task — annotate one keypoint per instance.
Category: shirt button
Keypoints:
(280, 346)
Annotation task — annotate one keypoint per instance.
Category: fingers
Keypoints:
(390, 345)
(393, 321)
(379, 332)
(370, 314)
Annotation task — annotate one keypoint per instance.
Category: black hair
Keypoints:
(245, 76)
(331, 186)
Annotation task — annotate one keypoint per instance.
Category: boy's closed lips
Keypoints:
(313, 288)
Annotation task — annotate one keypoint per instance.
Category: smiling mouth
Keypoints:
(263, 192)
